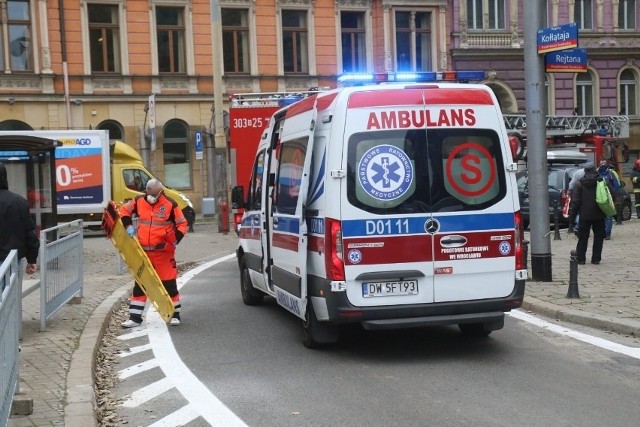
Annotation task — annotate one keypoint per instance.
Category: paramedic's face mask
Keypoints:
(153, 198)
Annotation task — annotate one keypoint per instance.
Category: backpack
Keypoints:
(604, 198)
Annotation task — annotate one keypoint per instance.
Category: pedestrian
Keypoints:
(17, 230)
(574, 221)
(583, 203)
(635, 181)
(612, 181)
(161, 226)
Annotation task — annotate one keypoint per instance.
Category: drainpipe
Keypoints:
(65, 71)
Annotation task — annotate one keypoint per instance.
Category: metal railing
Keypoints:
(10, 321)
(61, 271)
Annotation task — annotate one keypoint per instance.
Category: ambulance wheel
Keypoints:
(250, 296)
(315, 333)
(476, 330)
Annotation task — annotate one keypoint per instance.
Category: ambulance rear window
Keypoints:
(414, 171)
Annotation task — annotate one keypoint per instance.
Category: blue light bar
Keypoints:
(416, 77)
(355, 77)
(470, 75)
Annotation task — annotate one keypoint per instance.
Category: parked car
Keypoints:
(559, 176)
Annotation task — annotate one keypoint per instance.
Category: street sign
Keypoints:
(198, 145)
(567, 61)
(562, 37)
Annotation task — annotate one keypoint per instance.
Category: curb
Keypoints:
(80, 405)
(605, 323)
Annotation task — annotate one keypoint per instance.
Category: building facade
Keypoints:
(80, 64)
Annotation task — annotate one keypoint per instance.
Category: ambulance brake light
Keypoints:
(334, 263)
(519, 237)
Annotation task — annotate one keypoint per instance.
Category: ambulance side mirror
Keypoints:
(237, 197)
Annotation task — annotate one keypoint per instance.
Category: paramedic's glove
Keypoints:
(179, 237)
(131, 231)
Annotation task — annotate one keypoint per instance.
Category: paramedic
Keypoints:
(161, 226)
(17, 230)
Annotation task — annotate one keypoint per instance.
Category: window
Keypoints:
(295, 45)
(413, 41)
(414, 171)
(18, 42)
(584, 95)
(135, 179)
(583, 14)
(628, 93)
(627, 15)
(114, 128)
(171, 40)
(289, 176)
(177, 170)
(235, 40)
(354, 57)
(104, 38)
(476, 11)
(255, 191)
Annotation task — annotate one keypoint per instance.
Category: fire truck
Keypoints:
(599, 137)
(249, 115)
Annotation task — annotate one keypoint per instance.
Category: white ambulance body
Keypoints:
(392, 206)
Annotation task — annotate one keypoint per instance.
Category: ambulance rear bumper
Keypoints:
(490, 311)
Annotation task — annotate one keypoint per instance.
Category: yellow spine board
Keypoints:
(137, 262)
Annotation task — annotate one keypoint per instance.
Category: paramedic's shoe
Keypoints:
(130, 324)
(174, 321)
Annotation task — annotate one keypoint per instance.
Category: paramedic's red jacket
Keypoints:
(161, 226)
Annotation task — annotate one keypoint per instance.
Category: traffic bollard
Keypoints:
(573, 276)
(556, 221)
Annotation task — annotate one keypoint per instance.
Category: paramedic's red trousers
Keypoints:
(164, 263)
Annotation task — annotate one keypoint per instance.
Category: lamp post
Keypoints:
(219, 140)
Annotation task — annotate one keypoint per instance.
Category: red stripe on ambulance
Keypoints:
(300, 107)
(389, 250)
(432, 96)
(285, 241)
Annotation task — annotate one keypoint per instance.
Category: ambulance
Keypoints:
(391, 206)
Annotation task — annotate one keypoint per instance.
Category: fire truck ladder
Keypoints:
(616, 126)
(268, 99)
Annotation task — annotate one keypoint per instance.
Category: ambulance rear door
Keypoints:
(388, 254)
(473, 196)
(288, 236)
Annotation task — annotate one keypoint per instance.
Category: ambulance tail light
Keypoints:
(519, 237)
(333, 249)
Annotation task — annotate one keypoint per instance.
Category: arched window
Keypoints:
(585, 98)
(114, 128)
(628, 92)
(14, 125)
(177, 170)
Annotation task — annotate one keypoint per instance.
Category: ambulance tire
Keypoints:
(476, 330)
(250, 296)
(315, 333)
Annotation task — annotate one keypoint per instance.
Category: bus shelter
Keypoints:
(30, 164)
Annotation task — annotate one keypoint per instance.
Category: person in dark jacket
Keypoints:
(17, 230)
(583, 202)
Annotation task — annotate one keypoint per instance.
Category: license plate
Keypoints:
(388, 289)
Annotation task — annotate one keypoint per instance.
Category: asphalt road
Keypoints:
(252, 360)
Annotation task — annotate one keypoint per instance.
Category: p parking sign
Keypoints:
(198, 145)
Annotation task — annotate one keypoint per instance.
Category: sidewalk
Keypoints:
(56, 370)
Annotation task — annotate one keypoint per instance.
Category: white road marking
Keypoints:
(201, 400)
(136, 333)
(147, 393)
(182, 416)
(136, 369)
(135, 350)
(562, 330)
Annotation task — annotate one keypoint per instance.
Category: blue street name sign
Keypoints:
(562, 37)
(567, 61)
(198, 145)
